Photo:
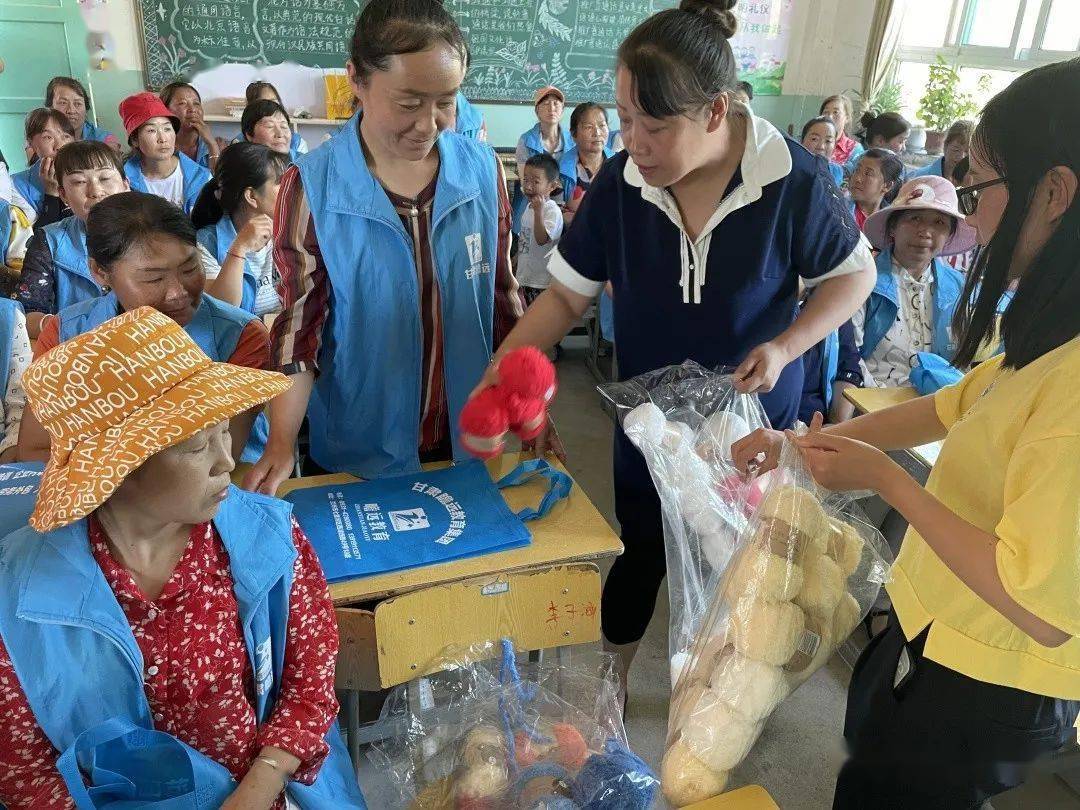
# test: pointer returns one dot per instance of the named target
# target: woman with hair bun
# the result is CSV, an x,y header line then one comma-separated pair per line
x,y
704,227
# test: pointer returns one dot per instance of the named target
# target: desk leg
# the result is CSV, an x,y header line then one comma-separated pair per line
x,y
352,725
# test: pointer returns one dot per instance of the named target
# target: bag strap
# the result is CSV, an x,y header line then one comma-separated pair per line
x,y
559,485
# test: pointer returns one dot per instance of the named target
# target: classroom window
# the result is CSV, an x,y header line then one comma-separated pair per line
x,y
991,23
1062,26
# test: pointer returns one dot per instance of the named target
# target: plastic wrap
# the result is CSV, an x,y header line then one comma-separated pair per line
x,y
757,614
496,737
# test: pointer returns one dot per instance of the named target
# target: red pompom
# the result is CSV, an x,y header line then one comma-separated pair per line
x,y
572,751
528,373
527,416
484,423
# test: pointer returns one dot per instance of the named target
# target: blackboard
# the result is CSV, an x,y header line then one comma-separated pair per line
x,y
182,37
517,45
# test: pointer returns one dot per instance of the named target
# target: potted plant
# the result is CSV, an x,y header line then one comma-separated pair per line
x,y
944,103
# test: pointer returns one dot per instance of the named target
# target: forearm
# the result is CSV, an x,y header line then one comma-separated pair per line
x,y
897,428
969,552
539,228
263,782
240,430
547,321
287,410
229,284
33,324
833,302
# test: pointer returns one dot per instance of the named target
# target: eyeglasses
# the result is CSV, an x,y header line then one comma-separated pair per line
x,y
967,198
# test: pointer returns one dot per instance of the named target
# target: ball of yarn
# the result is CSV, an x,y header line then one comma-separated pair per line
x,y
763,574
693,471
571,750
846,547
554,803
845,618
716,733
527,416
616,778
798,508
718,433
752,688
678,436
718,547
483,744
528,751
480,786
822,587
541,786
708,522
645,425
528,373
766,631
694,501
686,780
483,424
436,796
815,646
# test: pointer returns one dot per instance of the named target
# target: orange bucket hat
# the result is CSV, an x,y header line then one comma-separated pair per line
x,y
114,396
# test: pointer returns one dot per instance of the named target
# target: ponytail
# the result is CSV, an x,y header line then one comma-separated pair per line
x,y
241,166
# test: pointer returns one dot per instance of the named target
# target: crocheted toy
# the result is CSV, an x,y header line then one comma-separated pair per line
x,y
518,403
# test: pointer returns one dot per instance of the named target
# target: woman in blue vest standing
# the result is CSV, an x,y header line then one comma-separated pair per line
x,y
916,294
548,136
144,252
155,167
392,242
703,227
234,218
191,621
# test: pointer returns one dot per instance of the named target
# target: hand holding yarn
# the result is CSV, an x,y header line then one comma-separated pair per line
x,y
517,403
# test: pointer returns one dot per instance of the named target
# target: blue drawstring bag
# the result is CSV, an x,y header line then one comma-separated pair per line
x,y
19,485
933,372
406,521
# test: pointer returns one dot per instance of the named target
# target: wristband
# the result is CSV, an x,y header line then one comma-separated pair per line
x,y
276,766
236,255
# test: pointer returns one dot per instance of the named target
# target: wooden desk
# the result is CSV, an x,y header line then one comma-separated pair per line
x,y
751,797
869,400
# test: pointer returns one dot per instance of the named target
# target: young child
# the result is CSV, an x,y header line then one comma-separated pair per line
x,y
541,226
56,271
46,130
155,167
874,183
14,358
819,138
234,219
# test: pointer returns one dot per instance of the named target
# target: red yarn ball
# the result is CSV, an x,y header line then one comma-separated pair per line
x,y
483,424
528,373
572,751
527,416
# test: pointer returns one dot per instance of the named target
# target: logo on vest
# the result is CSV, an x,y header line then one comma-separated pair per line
x,y
263,668
474,246
409,520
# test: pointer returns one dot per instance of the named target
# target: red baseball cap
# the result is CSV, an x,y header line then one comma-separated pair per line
x,y
136,110
544,92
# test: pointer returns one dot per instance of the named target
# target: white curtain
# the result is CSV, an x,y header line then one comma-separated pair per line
x,y
882,45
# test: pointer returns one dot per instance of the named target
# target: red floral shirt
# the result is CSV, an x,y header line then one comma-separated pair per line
x,y
197,675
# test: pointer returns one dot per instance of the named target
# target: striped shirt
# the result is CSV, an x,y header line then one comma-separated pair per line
x,y
304,288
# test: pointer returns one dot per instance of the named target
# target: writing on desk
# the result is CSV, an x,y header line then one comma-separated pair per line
x,y
570,611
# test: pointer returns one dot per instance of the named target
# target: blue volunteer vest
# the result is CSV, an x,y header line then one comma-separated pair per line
x,y
937,168
830,363
195,177
568,170
216,327
217,239
71,267
9,315
28,184
884,303
470,121
365,408
90,132
58,615
534,145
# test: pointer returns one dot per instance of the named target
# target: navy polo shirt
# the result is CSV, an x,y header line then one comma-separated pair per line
x,y
735,287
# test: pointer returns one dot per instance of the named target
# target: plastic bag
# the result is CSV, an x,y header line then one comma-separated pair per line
x,y
684,420
496,738
766,577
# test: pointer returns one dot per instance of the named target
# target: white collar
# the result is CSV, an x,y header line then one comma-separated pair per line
x,y
907,278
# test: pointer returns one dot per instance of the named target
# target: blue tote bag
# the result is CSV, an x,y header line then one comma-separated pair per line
x,y
389,524
19,485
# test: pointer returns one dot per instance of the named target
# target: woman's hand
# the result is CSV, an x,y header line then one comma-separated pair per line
x,y
759,452
843,464
48,177
274,467
253,237
547,442
758,373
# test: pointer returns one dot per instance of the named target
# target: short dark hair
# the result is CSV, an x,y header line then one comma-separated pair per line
x,y
746,88
1045,311
545,163
256,111
70,84
241,166
253,91
579,112
960,170
122,221
170,90
892,169
79,156
960,130
821,119
886,125
39,118
680,59
388,28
